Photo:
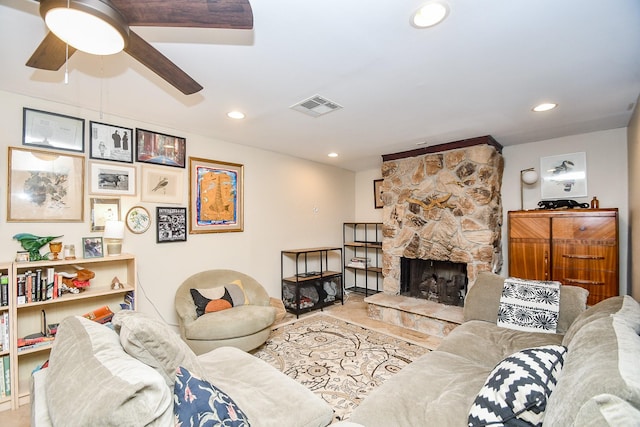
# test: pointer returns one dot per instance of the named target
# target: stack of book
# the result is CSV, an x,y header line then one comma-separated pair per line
x,y
39,285
26,343
5,376
359,262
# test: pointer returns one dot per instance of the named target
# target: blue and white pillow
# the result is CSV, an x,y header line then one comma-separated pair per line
x,y
516,391
199,403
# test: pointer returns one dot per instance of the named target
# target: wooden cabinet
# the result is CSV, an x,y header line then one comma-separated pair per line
x,y
311,278
575,247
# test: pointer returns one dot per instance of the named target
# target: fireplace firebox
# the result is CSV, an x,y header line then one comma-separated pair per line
x,y
439,281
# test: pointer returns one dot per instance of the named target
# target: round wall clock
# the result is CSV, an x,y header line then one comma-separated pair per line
x,y
138,220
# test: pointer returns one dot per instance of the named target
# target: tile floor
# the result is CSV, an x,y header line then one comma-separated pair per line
x,y
354,310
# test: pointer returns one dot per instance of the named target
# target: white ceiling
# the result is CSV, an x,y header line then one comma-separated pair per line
x,y
478,73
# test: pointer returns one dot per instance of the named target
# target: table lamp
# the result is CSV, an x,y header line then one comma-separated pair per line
x,y
113,235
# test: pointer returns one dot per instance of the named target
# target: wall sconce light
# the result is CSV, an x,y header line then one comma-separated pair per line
x,y
529,177
113,235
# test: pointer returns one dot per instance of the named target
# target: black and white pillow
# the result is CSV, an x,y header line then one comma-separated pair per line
x,y
516,391
529,305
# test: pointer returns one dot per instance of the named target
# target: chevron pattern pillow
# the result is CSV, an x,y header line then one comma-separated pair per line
x,y
517,389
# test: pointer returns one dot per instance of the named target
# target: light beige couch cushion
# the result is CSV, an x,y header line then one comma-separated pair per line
x,y
151,341
603,350
91,381
267,396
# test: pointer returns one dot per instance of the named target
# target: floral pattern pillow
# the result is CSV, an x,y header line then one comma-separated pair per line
x,y
199,403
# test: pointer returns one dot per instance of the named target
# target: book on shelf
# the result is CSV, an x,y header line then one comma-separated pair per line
x,y
359,262
100,315
4,290
4,332
39,285
5,376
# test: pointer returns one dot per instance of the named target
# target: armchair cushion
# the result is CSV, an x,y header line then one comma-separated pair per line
x,y
239,322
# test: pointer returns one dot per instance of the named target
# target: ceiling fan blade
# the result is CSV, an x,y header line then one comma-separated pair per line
x,y
51,54
160,64
235,14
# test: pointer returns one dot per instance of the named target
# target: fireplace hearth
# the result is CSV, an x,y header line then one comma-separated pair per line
x,y
438,281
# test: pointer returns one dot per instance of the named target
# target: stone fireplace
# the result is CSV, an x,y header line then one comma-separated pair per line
x,y
441,203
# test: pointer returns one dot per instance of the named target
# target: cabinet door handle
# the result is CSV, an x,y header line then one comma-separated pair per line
x,y
583,282
546,265
582,256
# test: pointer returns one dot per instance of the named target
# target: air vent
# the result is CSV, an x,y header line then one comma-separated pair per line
x,y
316,106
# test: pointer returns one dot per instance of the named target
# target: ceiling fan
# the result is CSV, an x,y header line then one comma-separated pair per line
x,y
113,18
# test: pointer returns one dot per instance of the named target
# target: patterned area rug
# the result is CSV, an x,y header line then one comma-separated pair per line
x,y
339,361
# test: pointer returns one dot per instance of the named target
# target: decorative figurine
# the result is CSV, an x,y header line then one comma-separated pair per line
x,y
115,283
32,244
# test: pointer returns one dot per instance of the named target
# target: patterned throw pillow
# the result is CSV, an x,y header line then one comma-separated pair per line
x,y
199,403
208,300
517,389
529,305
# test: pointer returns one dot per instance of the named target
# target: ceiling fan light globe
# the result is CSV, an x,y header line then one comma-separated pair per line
x,y
84,31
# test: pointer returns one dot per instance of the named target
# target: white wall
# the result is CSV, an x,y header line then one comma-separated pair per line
x,y
289,203
365,210
607,178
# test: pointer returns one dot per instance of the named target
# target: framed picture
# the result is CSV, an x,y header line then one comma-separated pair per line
x,y
377,193
138,220
103,210
563,176
108,178
45,186
171,224
51,130
110,142
92,247
160,149
215,196
162,185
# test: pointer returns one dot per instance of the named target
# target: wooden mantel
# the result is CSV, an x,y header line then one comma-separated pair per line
x,y
480,140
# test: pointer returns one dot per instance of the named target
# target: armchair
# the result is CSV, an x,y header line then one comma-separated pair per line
x,y
245,326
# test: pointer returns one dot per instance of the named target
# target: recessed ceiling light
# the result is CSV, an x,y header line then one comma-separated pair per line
x,y
546,106
430,14
332,154
235,115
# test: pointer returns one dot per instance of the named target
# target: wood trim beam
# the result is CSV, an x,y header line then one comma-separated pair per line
x,y
480,140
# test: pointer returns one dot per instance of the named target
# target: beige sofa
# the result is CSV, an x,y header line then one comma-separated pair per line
x,y
599,384
98,376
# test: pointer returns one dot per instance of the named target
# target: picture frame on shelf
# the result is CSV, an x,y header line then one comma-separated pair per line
x,y
160,149
162,185
138,219
112,179
52,130
377,193
110,142
44,186
102,210
171,224
563,176
92,247
215,180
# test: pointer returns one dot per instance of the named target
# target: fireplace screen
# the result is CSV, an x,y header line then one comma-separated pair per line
x,y
439,281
